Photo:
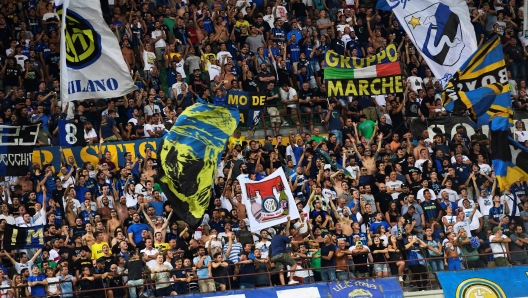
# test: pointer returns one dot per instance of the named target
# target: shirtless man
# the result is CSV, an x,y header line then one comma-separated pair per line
x,y
128,54
221,30
376,40
158,225
99,227
451,259
113,223
367,160
121,208
70,214
345,220
88,239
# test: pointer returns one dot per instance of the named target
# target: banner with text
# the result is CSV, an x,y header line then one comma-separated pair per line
x,y
334,60
375,287
51,155
16,148
447,125
23,237
91,64
269,201
250,105
364,87
499,282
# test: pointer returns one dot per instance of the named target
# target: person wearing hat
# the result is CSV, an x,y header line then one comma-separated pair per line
x,y
246,266
83,261
37,281
360,254
497,243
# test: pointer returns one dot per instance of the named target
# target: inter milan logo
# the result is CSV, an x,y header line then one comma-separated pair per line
x,y
83,43
439,34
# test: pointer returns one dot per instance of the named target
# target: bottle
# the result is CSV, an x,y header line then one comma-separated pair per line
x,y
256,208
283,199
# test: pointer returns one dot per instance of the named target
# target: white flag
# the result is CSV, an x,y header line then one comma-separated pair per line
x,y
92,65
269,201
440,30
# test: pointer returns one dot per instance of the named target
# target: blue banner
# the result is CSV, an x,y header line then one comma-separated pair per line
x,y
359,288
500,282
51,155
67,133
375,287
23,237
250,105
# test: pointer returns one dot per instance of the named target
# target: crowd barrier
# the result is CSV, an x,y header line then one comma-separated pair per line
x,y
503,282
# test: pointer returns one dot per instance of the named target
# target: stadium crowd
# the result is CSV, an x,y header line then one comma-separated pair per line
x,y
399,200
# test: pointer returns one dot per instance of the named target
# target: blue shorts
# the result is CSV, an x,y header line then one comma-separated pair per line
x,y
453,264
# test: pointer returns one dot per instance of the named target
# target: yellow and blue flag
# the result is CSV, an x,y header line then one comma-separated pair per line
x,y
189,156
478,81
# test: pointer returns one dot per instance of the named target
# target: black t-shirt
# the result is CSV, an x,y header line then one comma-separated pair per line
x,y
423,106
361,259
80,263
271,102
412,109
384,199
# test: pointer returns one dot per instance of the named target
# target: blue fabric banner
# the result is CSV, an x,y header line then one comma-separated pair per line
x,y
500,282
374,287
250,105
51,155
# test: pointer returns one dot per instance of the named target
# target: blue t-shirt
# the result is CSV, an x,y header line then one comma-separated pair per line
x,y
107,126
37,290
204,271
278,244
325,251
374,226
158,207
136,230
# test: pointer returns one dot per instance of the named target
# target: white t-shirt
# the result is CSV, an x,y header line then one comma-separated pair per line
x,y
453,195
463,225
149,58
160,43
485,168
90,134
270,19
20,60
342,27
509,200
53,284
289,96
131,200
475,223
521,136
485,204
223,55
416,82
498,248
353,170
394,185
419,163
180,68
9,219
147,128
20,266
264,248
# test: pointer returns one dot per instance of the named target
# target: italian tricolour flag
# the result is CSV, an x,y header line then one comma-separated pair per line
x,y
375,71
